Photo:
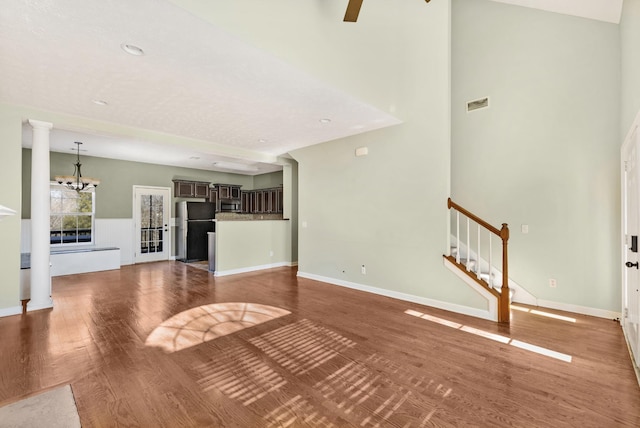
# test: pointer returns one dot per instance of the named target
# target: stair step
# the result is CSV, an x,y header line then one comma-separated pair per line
x,y
463,260
497,280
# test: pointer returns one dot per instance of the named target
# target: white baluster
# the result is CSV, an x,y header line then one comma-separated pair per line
x,y
478,254
468,244
458,236
490,262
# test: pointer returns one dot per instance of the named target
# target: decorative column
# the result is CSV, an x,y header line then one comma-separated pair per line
x,y
40,226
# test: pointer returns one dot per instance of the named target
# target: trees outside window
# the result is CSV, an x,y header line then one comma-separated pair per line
x,y
72,214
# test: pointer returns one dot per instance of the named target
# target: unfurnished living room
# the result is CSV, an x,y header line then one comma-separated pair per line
x,y
331,213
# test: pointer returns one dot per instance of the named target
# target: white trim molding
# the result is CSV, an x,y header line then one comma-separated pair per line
x,y
12,310
583,310
252,268
451,307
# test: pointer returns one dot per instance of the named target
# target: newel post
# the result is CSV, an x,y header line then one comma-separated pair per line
x,y
504,311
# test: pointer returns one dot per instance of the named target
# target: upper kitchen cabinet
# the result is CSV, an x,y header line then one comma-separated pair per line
x,y
190,189
263,201
228,191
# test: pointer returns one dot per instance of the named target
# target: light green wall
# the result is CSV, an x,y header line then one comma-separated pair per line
x,y
246,244
630,41
265,181
546,151
114,196
10,143
387,210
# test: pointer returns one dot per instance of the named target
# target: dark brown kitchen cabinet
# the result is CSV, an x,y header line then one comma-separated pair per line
x,y
228,191
246,198
263,201
258,206
213,197
190,189
202,190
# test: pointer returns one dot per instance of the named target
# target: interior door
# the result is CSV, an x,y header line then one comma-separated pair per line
x,y
152,214
631,225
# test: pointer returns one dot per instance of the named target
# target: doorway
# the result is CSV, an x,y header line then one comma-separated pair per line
x,y
151,217
631,232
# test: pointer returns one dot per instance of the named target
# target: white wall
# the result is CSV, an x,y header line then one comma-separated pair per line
x,y
117,232
545,153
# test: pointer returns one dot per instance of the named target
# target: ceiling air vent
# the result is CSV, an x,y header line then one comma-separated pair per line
x,y
478,104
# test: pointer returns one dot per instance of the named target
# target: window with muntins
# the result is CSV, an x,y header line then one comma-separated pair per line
x,y
72,215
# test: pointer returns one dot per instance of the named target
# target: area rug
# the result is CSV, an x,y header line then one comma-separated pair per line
x,y
55,408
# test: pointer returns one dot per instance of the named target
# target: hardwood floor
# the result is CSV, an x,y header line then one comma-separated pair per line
x,y
338,358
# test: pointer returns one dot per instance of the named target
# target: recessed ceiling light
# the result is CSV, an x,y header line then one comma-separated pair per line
x,y
325,120
262,140
132,49
100,102
195,157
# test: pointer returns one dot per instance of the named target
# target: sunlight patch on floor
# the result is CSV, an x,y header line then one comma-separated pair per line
x,y
303,346
239,374
495,337
208,322
543,313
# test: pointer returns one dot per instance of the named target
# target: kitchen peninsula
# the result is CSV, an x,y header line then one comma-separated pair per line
x,y
248,242
251,231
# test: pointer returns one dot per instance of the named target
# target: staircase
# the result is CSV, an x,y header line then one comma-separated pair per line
x,y
471,257
491,279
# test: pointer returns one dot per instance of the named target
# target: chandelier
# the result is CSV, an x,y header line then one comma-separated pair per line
x,y
76,181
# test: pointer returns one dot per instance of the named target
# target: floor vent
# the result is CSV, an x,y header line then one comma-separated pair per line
x,y
478,104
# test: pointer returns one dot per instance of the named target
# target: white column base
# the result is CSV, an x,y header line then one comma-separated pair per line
x,y
36,306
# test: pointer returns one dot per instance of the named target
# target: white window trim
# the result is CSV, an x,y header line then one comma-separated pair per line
x,y
72,245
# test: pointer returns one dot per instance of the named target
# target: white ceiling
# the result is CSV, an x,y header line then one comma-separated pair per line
x,y
225,105
194,81
601,10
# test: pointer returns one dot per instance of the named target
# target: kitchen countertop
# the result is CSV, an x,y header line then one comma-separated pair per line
x,y
246,217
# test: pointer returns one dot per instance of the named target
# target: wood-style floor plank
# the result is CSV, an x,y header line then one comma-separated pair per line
x,y
339,358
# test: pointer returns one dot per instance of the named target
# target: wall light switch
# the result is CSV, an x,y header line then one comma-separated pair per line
x,y
362,151
525,228
304,224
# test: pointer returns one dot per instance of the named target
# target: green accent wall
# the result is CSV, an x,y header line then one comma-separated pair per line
x,y
265,181
546,151
114,196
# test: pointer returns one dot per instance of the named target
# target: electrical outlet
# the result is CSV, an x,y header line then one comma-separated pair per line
x,y
363,270
553,283
271,253
524,228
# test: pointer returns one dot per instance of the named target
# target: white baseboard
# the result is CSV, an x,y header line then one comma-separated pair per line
x,y
584,310
251,269
451,307
33,306
12,310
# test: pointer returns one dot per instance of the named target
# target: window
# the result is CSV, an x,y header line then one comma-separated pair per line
x,y
71,218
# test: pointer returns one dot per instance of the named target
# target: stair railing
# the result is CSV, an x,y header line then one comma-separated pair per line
x,y
503,297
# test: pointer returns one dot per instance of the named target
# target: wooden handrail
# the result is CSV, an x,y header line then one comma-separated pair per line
x,y
493,229
504,311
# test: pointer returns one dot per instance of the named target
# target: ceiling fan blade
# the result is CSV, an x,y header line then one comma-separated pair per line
x,y
353,9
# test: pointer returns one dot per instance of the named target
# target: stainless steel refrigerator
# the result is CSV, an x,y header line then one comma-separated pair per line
x,y
194,221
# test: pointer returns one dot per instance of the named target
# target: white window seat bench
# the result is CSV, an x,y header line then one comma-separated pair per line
x,y
67,261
